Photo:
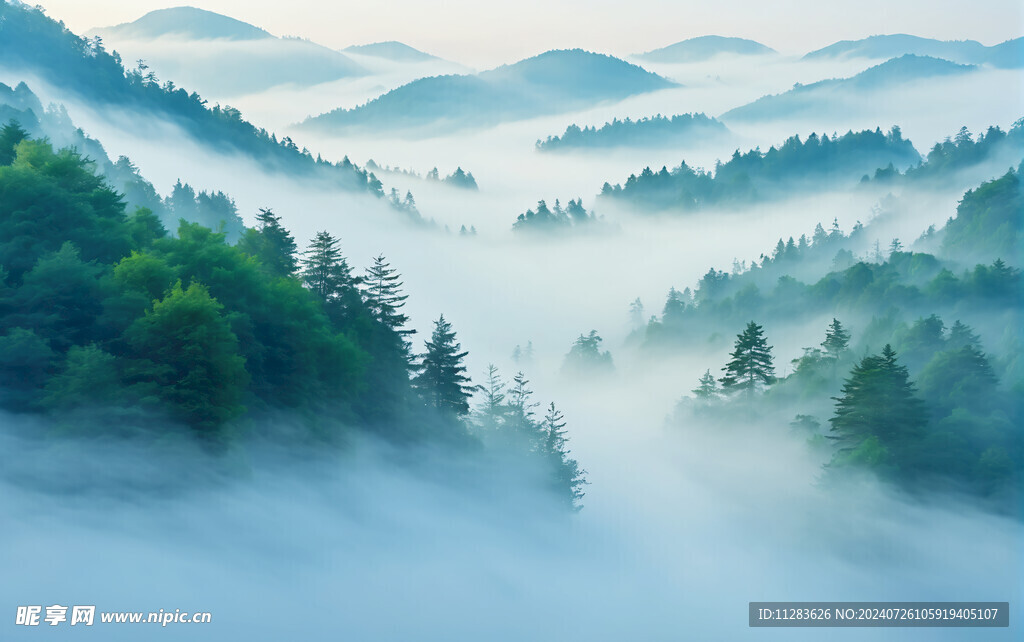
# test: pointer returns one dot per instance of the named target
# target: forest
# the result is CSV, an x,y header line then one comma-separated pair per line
x,y
106,314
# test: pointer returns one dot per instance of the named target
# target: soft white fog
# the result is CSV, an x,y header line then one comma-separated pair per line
x,y
682,525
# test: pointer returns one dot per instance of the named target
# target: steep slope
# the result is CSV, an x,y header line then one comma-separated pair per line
x,y
553,82
844,92
32,43
705,47
895,45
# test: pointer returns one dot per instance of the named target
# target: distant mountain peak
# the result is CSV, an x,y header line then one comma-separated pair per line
x,y
391,50
705,47
186,22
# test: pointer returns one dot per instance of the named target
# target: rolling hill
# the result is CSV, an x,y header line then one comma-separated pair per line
x,y
705,47
391,50
1007,54
552,82
221,57
184,22
843,93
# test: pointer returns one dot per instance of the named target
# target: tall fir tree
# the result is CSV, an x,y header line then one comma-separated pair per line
x,y
837,340
442,381
490,412
382,289
271,244
750,364
707,387
324,269
567,478
878,416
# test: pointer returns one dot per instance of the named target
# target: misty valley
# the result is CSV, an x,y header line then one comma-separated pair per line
x,y
362,342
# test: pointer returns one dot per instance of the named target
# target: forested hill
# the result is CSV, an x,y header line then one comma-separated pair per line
x,y
33,42
113,328
215,210
658,131
835,95
1006,54
961,154
917,377
776,172
552,82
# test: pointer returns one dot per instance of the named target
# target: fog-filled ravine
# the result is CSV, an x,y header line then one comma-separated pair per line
x,y
355,340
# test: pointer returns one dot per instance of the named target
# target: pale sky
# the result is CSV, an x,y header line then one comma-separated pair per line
x,y
484,34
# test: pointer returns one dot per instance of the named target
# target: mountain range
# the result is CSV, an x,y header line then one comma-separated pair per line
x,y
552,82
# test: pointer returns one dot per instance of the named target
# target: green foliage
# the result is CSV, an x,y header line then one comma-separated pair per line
x,y
271,245
654,131
755,174
187,352
586,358
442,382
48,199
750,363
988,221
549,220
505,418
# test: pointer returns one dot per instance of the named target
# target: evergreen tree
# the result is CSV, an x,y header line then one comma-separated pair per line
x,y
324,270
837,340
878,416
675,308
491,410
568,479
442,381
636,313
585,356
10,135
520,408
271,244
383,292
751,362
707,387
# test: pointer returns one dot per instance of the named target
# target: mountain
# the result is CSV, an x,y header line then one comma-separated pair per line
x,y
844,93
705,47
657,131
83,70
221,57
552,82
391,50
184,22
1007,54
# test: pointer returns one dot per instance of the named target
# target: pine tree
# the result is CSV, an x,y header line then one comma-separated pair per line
x,y
271,244
10,135
878,415
382,289
675,308
491,410
751,362
442,381
324,270
636,313
568,478
837,340
520,408
707,387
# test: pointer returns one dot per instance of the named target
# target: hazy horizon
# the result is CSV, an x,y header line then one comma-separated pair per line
x,y
487,35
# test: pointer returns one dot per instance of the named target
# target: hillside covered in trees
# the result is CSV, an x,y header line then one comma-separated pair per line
x,y
918,376
32,42
113,326
794,165
682,129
